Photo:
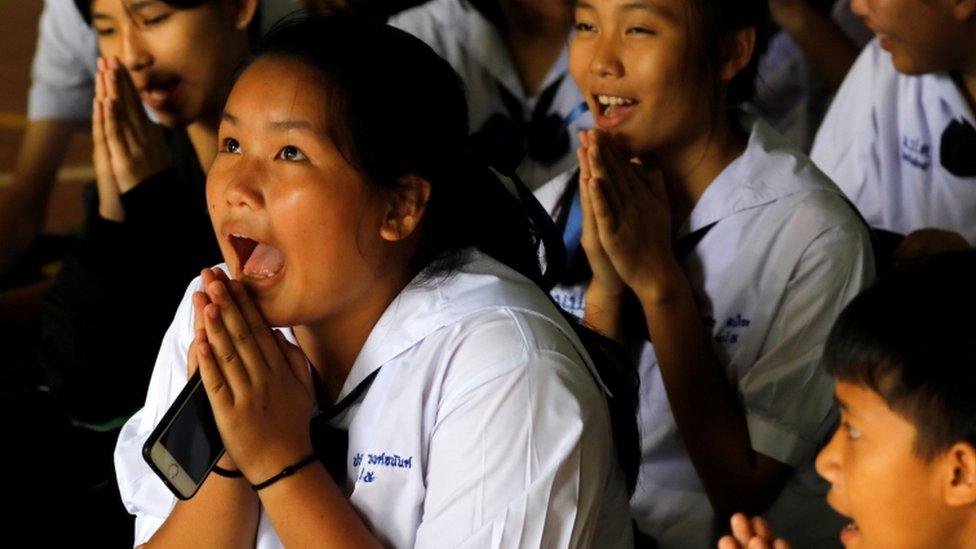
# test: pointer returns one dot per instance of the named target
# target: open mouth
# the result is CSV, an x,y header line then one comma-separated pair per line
x,y
256,260
613,110
158,92
611,105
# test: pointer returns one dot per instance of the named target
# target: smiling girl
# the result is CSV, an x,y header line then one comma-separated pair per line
x,y
473,410
705,230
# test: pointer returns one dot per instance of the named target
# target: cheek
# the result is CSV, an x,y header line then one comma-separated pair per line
x,y
579,62
316,223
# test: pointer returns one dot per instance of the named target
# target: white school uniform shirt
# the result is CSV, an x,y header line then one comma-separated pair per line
x,y
486,425
880,142
65,61
474,47
787,253
790,95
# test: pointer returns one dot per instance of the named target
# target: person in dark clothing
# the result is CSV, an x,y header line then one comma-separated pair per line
x,y
97,351
147,234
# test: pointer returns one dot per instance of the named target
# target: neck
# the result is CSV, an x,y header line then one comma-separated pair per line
x,y
332,344
203,136
535,40
690,166
527,21
967,81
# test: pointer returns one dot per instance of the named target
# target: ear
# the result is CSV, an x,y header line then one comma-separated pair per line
x,y
405,208
242,12
737,49
960,488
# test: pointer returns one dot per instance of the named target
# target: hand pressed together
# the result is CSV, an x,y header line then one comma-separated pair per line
x,y
128,147
627,217
258,383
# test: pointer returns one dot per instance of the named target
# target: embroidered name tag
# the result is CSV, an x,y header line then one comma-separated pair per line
x,y
915,152
370,463
731,330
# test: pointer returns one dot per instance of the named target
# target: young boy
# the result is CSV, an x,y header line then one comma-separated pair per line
x,y
899,138
902,464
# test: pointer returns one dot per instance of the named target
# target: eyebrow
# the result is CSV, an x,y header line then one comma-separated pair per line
x,y
277,125
135,6
843,406
283,125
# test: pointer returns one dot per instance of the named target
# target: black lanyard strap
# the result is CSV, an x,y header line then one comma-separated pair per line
x,y
331,444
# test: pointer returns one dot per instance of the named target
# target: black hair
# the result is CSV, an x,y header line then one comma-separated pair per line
x,y
401,110
718,19
911,338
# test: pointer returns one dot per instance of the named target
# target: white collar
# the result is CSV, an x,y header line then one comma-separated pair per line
x,y
770,168
422,308
482,41
944,89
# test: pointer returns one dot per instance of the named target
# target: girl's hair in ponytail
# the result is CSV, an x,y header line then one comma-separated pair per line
x,y
395,109
712,21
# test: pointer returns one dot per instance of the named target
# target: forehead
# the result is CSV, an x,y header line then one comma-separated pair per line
x,y
276,88
669,9
122,6
869,406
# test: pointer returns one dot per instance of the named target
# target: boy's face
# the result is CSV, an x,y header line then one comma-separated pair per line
x,y
922,36
894,498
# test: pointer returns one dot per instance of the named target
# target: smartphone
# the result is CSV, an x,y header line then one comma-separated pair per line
x,y
185,445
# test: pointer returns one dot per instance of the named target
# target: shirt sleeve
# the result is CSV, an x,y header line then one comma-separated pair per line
x,y
62,85
843,148
788,397
143,493
520,457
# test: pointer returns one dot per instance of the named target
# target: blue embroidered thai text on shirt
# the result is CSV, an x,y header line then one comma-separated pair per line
x,y
915,152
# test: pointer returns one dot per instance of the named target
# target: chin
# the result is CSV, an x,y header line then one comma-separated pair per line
x,y
909,65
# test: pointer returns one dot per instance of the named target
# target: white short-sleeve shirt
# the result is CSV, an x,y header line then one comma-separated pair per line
x,y
880,142
787,253
790,95
62,84
486,425
474,47
64,62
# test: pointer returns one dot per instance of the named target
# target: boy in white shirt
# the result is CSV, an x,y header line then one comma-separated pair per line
x,y
899,138
902,465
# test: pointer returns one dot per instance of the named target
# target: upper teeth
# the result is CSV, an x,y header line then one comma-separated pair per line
x,y
612,100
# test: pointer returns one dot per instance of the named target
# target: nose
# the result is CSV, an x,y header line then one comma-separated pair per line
x,y
828,461
135,53
605,63
241,190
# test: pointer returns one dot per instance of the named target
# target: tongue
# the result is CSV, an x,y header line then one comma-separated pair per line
x,y
265,261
